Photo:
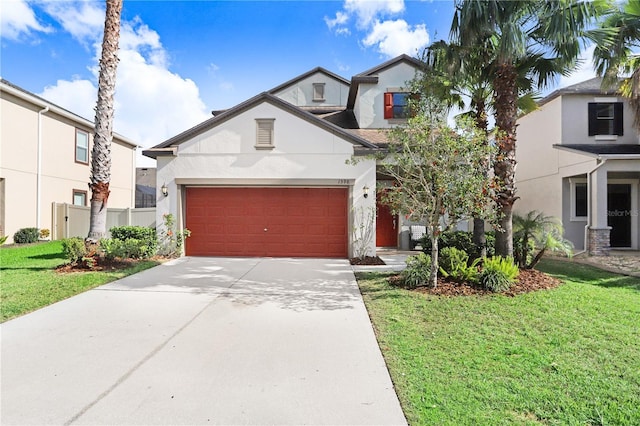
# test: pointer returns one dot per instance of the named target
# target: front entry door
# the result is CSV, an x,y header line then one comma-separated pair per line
x,y
619,214
386,227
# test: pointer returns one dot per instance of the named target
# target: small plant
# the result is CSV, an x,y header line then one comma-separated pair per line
x,y
26,236
498,273
364,231
44,234
3,239
170,239
535,231
74,250
417,271
454,264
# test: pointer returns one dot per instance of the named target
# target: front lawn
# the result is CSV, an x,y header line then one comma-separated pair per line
x,y
570,355
29,280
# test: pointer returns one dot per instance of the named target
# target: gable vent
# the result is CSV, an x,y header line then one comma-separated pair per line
x,y
264,133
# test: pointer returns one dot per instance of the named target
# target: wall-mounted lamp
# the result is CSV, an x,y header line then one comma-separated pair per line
x,y
365,190
164,189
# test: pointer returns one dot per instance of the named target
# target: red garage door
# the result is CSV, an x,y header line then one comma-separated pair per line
x,y
275,222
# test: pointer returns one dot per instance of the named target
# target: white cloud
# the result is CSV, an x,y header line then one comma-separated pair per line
x,y
394,38
340,19
18,19
367,11
82,19
152,103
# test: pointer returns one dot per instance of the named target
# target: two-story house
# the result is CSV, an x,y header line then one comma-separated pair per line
x,y
273,176
44,158
579,160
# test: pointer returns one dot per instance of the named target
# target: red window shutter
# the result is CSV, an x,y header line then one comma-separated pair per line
x,y
388,105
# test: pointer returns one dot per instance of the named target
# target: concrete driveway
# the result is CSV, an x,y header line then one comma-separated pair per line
x,y
202,341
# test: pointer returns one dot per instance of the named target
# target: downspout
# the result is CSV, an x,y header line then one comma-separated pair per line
x,y
586,227
39,166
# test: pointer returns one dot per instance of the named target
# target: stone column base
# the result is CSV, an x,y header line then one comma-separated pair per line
x,y
599,241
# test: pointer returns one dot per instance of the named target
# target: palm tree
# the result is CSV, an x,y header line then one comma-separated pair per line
x,y
103,133
545,37
614,57
535,231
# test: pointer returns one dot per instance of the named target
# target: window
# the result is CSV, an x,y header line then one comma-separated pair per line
x,y
79,198
605,118
264,133
579,199
318,92
395,105
82,147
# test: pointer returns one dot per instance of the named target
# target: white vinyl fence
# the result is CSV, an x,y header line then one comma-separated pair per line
x,y
73,221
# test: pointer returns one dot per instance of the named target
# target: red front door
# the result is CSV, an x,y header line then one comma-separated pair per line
x,y
386,227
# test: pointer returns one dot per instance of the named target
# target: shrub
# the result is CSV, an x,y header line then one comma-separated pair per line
x,y
417,271
462,240
44,233
170,238
454,264
134,242
498,273
74,249
3,239
26,236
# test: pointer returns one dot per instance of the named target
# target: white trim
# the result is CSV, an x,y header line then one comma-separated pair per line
x,y
605,99
572,196
606,137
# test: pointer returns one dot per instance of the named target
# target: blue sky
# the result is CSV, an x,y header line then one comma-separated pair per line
x,y
181,59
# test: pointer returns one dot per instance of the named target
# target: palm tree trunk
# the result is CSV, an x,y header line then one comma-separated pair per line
x,y
101,152
506,94
479,235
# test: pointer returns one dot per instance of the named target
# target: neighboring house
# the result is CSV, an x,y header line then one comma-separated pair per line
x,y
273,176
44,158
145,187
579,160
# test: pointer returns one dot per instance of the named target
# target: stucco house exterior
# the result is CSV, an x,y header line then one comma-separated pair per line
x,y
274,175
44,158
579,160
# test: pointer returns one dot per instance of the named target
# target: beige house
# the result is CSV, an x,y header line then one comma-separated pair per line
x,y
44,158
272,176
579,160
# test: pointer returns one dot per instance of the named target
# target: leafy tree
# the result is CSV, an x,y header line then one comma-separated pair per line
x,y
614,55
542,38
535,231
438,170
103,133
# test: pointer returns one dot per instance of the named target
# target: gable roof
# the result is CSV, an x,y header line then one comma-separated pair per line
x,y
168,147
588,87
36,100
309,73
370,76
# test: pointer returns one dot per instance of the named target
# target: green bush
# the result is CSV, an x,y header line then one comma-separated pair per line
x,y
498,273
462,240
417,271
454,264
134,242
26,236
74,249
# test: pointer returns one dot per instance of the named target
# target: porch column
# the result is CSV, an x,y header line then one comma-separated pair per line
x,y
599,230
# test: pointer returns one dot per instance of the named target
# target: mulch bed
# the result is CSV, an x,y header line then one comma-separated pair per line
x,y
528,280
367,260
100,264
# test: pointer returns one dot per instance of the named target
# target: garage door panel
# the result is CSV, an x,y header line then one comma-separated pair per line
x,y
299,221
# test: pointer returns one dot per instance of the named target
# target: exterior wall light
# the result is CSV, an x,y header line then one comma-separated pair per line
x,y
365,191
164,189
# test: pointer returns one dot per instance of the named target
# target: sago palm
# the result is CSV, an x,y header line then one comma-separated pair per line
x,y
537,232
103,132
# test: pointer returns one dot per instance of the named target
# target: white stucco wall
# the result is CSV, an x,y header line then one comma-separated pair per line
x,y
305,155
301,94
369,106
60,174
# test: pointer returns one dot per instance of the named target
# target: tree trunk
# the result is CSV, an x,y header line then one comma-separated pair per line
x,y
506,94
433,274
479,236
103,132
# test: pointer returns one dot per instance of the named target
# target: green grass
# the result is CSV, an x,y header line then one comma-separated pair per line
x,y
29,281
567,356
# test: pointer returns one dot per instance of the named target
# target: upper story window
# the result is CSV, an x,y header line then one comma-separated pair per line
x,y
318,92
396,105
605,118
82,147
264,133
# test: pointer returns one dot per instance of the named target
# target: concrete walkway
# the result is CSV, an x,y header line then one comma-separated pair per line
x,y
202,341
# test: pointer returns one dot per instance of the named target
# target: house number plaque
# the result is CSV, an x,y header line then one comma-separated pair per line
x,y
343,181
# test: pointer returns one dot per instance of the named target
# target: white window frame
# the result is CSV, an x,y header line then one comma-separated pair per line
x,y
318,92
264,125
573,183
84,194
75,147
